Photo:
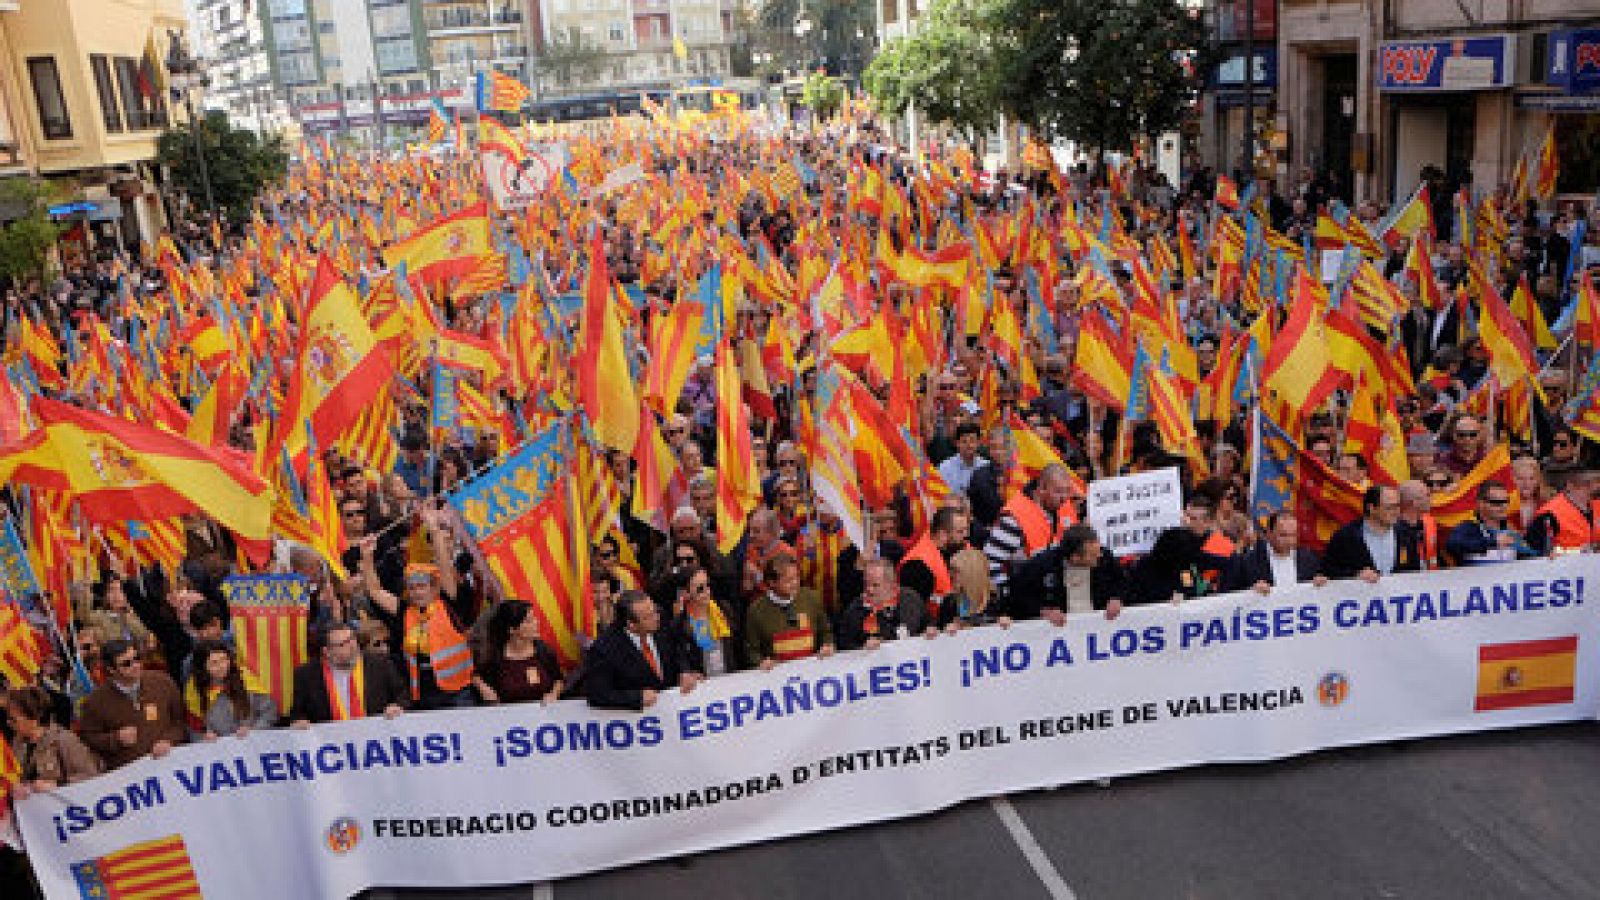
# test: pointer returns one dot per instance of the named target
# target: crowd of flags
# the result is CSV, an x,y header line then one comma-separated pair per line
x,y
219,393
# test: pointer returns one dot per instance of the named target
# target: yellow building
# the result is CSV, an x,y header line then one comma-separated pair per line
x,y
86,99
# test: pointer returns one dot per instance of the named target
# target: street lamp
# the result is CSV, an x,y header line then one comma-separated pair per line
x,y
187,76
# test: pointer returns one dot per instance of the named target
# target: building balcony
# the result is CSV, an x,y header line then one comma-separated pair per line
x,y
468,21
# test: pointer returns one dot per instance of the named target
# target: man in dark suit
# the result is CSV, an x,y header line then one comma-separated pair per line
x,y
1376,544
627,667
1277,561
326,687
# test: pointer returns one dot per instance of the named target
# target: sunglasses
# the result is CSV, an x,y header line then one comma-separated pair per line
x,y
1433,483
127,663
788,493
1561,442
687,560
354,514
1469,435
1497,501
380,642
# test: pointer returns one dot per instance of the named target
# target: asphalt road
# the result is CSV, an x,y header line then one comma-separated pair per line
x,y
1503,815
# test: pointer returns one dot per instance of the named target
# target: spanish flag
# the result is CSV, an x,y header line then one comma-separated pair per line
x,y
1460,503
118,470
605,383
1415,216
1526,673
1299,369
448,248
339,369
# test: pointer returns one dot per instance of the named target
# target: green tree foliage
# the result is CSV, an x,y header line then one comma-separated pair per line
x,y
26,241
240,162
822,94
946,69
1099,72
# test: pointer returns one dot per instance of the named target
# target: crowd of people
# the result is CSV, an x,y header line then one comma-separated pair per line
x,y
984,530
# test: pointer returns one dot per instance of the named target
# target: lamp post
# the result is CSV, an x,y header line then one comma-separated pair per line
x,y
188,75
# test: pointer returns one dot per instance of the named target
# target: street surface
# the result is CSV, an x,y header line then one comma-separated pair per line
x,y
1501,815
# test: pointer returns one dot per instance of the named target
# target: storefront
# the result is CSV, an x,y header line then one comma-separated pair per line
x,y
1227,87
1572,69
1446,105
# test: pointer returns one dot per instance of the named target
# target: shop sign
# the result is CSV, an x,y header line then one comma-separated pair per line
x,y
1456,64
1230,72
1574,61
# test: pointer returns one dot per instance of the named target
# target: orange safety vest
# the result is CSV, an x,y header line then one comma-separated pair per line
x,y
447,652
1035,523
1430,541
925,552
1573,530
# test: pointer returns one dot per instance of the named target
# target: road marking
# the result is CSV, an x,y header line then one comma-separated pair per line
x,y
544,890
1054,884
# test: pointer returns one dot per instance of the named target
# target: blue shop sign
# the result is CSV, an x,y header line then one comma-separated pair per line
x,y
1458,64
1230,71
1574,61
68,209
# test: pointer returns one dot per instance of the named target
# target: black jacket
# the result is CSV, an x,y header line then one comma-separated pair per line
x,y
911,611
1253,565
384,685
985,490
681,632
1346,554
1037,584
616,674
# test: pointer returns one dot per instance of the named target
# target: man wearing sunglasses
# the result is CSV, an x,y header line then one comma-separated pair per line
x,y
134,713
1487,537
1469,443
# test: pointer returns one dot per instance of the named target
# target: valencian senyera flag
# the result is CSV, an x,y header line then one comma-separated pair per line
x,y
152,870
269,614
522,513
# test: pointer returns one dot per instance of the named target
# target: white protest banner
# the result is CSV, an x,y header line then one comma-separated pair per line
x,y
1129,511
619,178
514,183
523,793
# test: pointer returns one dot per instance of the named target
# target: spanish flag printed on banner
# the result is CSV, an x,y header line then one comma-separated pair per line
x,y
1526,673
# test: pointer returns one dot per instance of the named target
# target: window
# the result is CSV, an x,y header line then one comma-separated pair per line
x,y
393,21
104,86
47,95
396,56
616,33
298,68
141,103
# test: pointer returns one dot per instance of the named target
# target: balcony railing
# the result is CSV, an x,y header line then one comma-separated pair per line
x,y
470,18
